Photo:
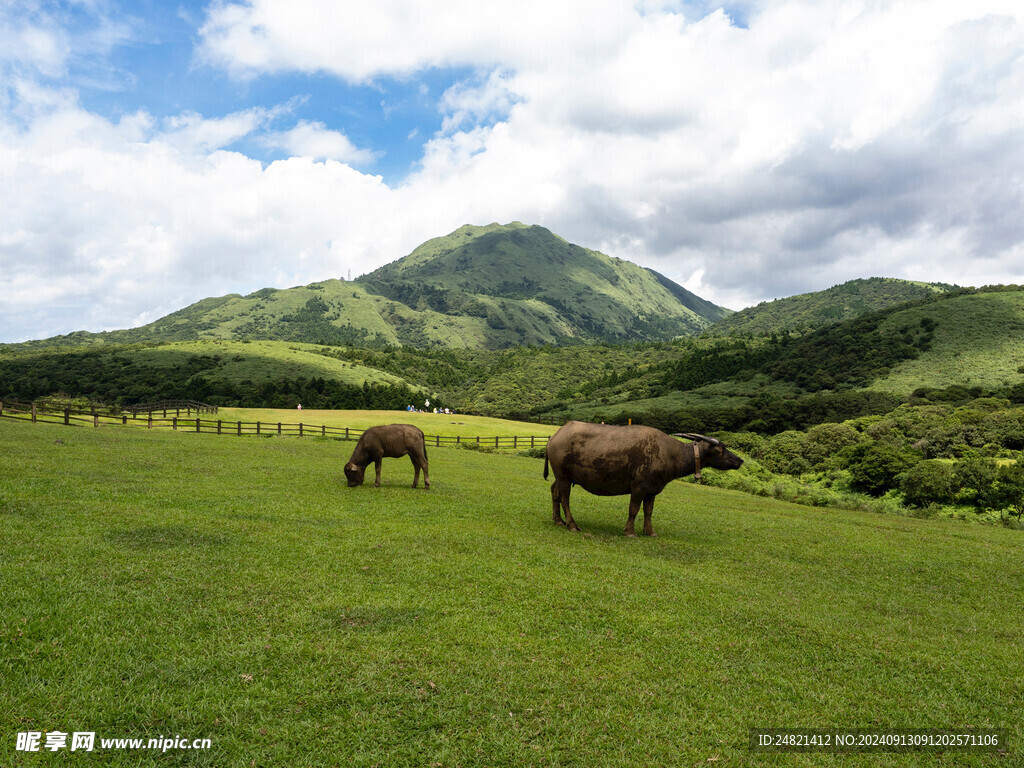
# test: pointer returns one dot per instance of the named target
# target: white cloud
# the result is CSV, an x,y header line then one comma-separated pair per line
x,y
359,41
30,46
761,150
315,140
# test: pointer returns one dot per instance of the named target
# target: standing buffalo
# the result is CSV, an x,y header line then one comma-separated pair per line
x,y
390,441
612,461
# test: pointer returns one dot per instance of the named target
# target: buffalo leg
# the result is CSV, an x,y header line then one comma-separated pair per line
x,y
648,511
556,513
566,489
419,461
634,507
377,464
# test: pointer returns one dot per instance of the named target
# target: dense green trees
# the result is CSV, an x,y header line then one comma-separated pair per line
x,y
931,481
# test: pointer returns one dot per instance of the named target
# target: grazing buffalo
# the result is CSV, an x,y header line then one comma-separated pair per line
x,y
390,441
611,461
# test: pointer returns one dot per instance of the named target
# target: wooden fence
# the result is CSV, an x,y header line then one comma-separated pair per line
x,y
177,406
95,418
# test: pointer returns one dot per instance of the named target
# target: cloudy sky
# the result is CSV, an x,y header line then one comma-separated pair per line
x,y
154,153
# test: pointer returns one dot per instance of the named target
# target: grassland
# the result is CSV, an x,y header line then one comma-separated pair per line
x,y
162,583
262,361
977,342
430,423
832,305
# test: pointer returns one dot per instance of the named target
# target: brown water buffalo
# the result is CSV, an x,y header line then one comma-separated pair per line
x,y
390,441
611,461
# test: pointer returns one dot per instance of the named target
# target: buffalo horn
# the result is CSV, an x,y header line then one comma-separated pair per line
x,y
689,436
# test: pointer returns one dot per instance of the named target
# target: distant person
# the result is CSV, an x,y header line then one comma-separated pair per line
x,y
299,406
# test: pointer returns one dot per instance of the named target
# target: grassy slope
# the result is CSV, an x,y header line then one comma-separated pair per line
x,y
833,305
237,591
977,342
261,361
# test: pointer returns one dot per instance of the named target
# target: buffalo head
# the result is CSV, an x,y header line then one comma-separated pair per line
x,y
354,473
713,454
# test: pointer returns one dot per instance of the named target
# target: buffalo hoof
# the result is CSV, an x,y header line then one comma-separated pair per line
x,y
376,485
573,527
630,535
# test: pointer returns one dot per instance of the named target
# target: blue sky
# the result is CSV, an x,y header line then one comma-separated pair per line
x,y
153,67
750,150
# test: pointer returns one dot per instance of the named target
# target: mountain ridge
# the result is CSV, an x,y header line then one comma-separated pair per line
x,y
484,287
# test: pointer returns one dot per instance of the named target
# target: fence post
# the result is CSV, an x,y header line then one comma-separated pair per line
x,y
95,419
1,407
478,439
458,439
257,429
218,426
346,433
67,416
124,418
279,429
515,441
437,440
33,413
149,421
239,428
174,424
495,441
197,423
300,429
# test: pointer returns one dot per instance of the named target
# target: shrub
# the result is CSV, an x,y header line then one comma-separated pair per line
x,y
1008,492
975,480
826,440
927,483
877,468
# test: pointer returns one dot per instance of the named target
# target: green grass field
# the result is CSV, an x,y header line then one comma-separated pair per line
x,y
430,423
162,584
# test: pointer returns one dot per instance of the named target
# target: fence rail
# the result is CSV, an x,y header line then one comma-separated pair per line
x,y
76,417
166,406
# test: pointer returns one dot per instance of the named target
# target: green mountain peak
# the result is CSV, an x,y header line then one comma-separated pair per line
x,y
479,287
